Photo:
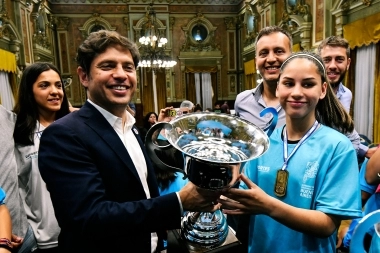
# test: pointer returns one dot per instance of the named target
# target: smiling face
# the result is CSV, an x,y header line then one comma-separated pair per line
x,y
48,92
336,62
300,88
271,52
111,81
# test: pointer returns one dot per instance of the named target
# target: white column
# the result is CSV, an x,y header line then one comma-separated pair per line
x,y
154,92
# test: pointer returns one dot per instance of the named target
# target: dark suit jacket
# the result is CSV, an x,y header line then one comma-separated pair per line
x,y
97,195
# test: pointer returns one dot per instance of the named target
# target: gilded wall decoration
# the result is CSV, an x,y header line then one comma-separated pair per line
x,y
207,43
94,23
232,84
251,23
319,18
25,35
64,53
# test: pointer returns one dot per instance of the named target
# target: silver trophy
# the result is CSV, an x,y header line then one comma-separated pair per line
x,y
210,142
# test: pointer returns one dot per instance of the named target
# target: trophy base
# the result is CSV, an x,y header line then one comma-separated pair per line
x,y
176,244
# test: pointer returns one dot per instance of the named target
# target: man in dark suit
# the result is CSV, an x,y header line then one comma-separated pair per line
x,y
96,169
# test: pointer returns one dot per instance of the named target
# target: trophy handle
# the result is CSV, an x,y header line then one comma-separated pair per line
x,y
153,149
272,124
368,221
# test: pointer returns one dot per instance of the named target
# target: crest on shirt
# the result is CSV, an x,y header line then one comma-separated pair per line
x,y
311,171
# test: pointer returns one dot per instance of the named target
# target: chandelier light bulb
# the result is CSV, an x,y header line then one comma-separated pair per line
x,y
153,54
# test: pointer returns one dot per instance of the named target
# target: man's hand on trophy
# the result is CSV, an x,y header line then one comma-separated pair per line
x,y
245,201
194,198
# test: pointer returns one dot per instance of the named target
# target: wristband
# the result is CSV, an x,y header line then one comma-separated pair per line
x,y
6,247
6,243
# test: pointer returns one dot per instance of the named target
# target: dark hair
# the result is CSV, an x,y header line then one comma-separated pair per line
x,y
198,107
147,125
26,106
329,110
335,41
164,177
172,157
274,29
98,42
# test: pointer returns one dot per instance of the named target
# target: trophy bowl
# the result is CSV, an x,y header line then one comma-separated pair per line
x,y
210,144
216,138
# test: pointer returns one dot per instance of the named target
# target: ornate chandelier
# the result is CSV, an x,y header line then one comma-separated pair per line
x,y
153,44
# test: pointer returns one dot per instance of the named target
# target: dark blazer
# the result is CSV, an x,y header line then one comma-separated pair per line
x,y
98,198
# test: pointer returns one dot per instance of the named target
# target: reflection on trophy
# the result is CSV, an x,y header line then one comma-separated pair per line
x,y
211,143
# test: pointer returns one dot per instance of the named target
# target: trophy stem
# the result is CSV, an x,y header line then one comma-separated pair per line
x,y
204,229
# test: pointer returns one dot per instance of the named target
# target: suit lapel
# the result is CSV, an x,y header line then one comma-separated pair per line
x,y
96,121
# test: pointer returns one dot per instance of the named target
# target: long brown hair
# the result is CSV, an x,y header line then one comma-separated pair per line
x,y
26,105
329,110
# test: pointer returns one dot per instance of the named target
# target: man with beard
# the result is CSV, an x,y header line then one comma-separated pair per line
x,y
335,52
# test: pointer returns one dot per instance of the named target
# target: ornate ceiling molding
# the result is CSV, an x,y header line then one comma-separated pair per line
x,y
61,23
187,2
345,5
264,3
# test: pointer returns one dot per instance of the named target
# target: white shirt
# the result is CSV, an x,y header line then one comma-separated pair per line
x,y
345,96
130,142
